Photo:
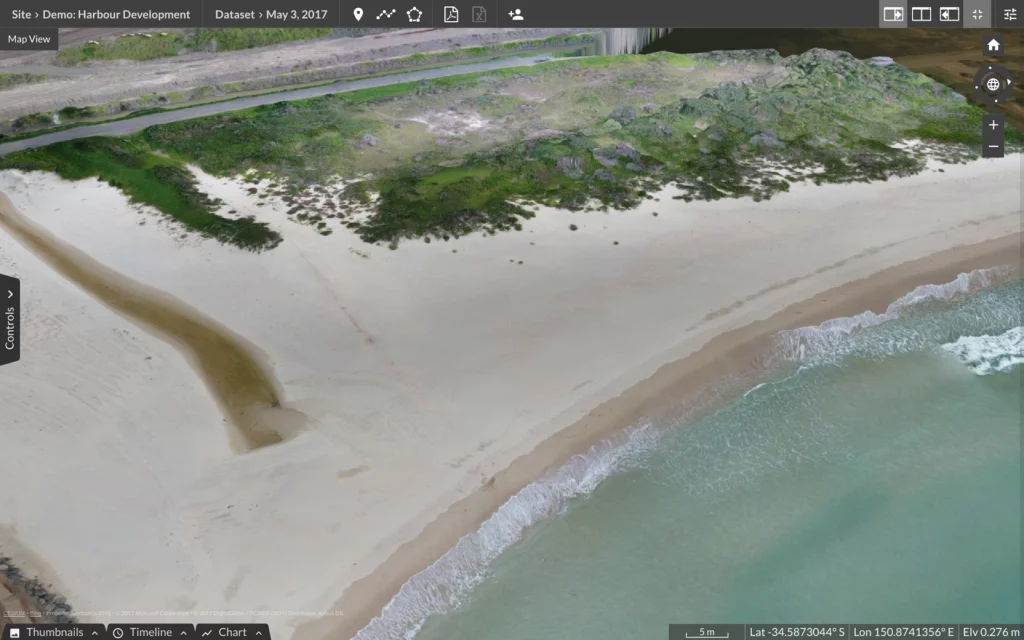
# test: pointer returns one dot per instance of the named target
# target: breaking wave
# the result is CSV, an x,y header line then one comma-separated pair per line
x,y
833,339
986,355
442,587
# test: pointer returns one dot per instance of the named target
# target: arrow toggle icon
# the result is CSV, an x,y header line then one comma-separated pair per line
x,y
10,320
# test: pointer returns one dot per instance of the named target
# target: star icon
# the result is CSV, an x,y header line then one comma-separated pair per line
x,y
414,14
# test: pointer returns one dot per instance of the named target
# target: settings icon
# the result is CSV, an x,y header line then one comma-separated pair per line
x,y
414,14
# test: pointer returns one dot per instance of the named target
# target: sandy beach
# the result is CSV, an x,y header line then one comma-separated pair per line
x,y
434,381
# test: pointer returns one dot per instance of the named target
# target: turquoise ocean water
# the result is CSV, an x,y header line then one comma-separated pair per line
x,y
875,476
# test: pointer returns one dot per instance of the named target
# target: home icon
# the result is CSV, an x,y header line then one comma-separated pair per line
x,y
994,47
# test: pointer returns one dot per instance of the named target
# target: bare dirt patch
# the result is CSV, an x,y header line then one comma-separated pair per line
x,y
101,83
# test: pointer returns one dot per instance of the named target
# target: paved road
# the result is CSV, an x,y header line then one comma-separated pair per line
x,y
127,127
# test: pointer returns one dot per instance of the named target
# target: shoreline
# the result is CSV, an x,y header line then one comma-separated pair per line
x,y
425,373
687,381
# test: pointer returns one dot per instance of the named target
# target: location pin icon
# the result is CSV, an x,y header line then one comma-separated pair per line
x,y
358,13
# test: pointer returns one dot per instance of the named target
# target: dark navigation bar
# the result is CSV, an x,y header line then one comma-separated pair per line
x,y
844,631
136,631
512,13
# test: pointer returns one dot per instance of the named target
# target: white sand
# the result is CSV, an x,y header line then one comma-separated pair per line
x,y
425,371
103,430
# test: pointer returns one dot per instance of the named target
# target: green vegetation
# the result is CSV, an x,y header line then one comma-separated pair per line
x,y
150,46
40,122
9,80
579,134
821,116
146,178
238,39
950,57
78,113
313,142
138,47
32,121
965,130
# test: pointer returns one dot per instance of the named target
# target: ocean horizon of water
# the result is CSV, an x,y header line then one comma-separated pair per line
x,y
874,475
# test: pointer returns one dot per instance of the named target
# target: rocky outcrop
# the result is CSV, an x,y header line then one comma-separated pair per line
x,y
624,150
19,592
766,139
571,166
623,115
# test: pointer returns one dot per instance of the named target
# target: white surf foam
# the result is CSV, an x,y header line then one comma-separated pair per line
x,y
986,355
443,586
829,338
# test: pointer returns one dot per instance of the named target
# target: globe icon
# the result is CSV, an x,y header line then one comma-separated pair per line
x,y
993,85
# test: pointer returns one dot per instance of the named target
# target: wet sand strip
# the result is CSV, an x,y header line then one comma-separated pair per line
x,y
679,393
235,371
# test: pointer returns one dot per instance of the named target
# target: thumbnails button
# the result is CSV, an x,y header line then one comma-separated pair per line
x,y
36,631
10,319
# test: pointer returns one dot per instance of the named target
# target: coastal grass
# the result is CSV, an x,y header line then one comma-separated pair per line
x,y
821,116
309,138
311,142
87,116
950,57
42,123
11,80
33,120
146,178
824,117
137,47
239,39
140,46
964,130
